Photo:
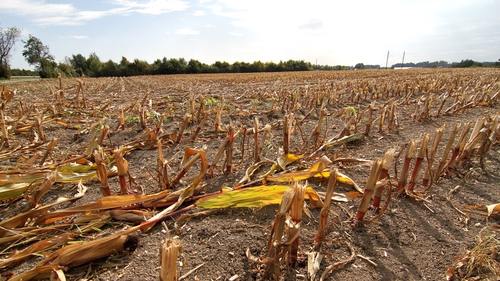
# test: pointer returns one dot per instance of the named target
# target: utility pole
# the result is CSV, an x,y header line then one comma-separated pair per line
x,y
387,60
403,62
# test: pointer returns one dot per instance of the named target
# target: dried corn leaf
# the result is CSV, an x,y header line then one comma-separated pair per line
x,y
103,203
315,169
251,197
493,207
85,252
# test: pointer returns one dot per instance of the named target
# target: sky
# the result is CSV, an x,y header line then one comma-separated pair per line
x,y
324,32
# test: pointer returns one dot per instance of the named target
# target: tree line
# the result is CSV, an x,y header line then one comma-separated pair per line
x,y
38,55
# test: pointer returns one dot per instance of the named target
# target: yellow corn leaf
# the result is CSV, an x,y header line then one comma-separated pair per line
x,y
315,169
12,190
69,172
287,159
341,178
282,161
493,207
251,197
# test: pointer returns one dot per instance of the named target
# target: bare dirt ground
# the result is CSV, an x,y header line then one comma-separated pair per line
x,y
414,239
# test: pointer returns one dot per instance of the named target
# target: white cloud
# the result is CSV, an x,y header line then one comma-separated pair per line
x,y
81,37
46,14
199,13
154,7
211,25
35,8
235,34
187,31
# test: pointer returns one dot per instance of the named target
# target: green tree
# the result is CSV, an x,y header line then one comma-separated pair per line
x,y
94,66
194,66
66,70
39,55
110,68
8,38
359,66
79,63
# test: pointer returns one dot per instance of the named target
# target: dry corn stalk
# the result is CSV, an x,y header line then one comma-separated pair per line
x,y
217,121
38,122
442,163
287,128
50,148
459,146
369,120
368,192
162,168
44,187
296,218
430,161
402,181
384,174
420,157
169,253
256,151
325,210
121,120
202,122
275,243
229,149
122,167
185,121
101,171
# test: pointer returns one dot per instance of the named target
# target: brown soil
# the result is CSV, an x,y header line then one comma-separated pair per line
x,y
412,240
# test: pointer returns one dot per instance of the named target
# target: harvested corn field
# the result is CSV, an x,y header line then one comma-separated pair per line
x,y
347,175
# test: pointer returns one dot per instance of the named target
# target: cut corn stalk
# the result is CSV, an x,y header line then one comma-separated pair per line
x,y
229,149
325,210
368,192
296,219
102,173
384,174
169,253
442,163
256,151
202,122
162,168
185,121
50,148
430,161
287,128
369,120
121,120
402,181
44,187
186,192
420,157
217,121
122,166
459,146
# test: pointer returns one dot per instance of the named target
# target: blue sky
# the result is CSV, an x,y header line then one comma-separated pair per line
x,y
329,32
